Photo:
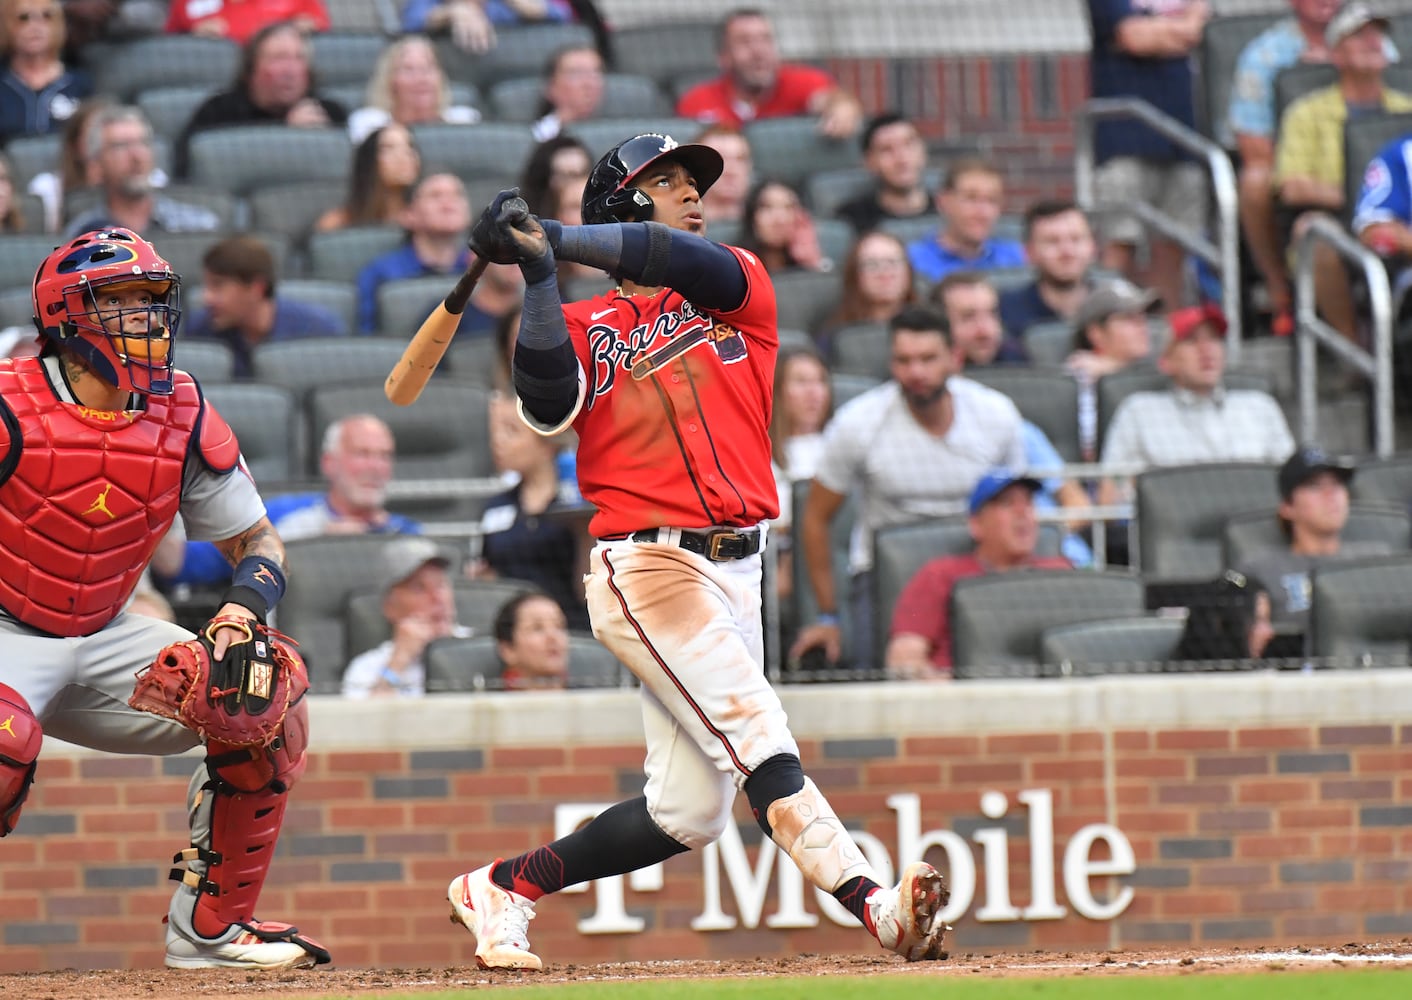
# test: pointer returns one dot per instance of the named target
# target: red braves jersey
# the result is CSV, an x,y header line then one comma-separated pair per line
x,y
87,494
243,18
674,428
717,101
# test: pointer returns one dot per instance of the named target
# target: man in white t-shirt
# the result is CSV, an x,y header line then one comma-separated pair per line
x,y
913,448
420,605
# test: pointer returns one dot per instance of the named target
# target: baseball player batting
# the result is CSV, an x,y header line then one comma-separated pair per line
x,y
668,382
103,444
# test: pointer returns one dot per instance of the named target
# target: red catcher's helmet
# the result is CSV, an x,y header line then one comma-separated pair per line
x,y
69,309
609,195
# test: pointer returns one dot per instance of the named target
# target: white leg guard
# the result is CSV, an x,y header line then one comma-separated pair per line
x,y
808,829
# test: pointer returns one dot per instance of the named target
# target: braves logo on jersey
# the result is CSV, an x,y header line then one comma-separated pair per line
x,y
649,347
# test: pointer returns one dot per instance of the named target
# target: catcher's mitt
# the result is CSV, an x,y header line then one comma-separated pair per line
x,y
241,700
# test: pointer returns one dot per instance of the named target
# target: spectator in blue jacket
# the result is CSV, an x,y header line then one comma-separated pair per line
x,y
969,201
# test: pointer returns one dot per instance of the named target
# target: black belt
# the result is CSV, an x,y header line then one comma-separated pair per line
x,y
716,544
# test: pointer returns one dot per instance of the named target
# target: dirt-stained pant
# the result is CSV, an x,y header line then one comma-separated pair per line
x,y
690,630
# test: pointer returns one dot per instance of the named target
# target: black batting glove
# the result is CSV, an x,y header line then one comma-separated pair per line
x,y
491,237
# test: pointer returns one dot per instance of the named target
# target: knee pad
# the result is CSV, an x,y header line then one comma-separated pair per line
x,y
779,777
20,740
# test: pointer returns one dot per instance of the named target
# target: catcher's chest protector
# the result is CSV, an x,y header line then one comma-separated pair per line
x,y
88,496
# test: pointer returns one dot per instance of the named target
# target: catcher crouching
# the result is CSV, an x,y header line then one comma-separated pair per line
x,y
103,442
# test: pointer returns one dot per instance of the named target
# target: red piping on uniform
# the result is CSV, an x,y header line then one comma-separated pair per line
x,y
622,603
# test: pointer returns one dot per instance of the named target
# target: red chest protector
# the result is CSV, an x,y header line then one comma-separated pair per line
x,y
87,495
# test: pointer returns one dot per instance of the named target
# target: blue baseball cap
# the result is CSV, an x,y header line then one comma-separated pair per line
x,y
995,482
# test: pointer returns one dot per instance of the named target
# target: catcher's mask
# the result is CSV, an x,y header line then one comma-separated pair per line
x,y
609,195
75,292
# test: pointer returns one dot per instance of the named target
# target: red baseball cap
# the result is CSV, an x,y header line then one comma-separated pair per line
x,y
1184,322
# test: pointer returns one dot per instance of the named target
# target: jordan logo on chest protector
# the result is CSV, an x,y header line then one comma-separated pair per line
x,y
100,504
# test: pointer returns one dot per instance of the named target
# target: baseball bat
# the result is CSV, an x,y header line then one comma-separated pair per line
x,y
428,346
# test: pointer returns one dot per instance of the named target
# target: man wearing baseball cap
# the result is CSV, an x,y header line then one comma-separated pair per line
x,y
1110,333
420,605
1196,419
1309,163
1006,532
1313,511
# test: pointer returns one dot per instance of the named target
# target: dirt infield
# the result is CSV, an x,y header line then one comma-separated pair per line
x,y
371,983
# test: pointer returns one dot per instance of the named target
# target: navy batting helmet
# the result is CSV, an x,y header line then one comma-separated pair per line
x,y
609,195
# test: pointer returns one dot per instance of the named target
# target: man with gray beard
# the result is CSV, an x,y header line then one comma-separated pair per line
x,y
118,148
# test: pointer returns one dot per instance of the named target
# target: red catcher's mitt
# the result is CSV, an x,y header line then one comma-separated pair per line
x,y
241,700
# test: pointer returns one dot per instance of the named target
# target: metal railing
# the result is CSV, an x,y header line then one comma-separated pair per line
x,y
1224,254
1311,332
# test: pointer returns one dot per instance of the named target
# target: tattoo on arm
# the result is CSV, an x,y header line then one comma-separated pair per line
x,y
260,539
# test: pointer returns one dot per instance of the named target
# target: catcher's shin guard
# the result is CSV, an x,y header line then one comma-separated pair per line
x,y
236,804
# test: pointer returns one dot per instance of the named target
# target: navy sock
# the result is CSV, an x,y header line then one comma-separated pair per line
x,y
854,894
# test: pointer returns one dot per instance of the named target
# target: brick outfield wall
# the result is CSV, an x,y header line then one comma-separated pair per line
x,y
1261,834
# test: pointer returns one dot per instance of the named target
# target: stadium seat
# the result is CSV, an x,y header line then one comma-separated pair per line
x,y
1296,81
484,148
518,51
242,158
20,254
268,423
364,15
143,64
846,387
168,109
473,360
1362,138
302,364
292,209
998,620
667,50
1111,390
806,299
17,307
1359,611
481,189
792,148
477,603
473,664
624,94
1384,480
345,57
1220,48
1047,397
1140,645
446,434
338,297
209,360
1246,535
185,251
1004,279
31,155
403,304
835,240
861,349
805,606
1182,511
323,572
1050,342
602,134
725,231
340,254
826,191
911,230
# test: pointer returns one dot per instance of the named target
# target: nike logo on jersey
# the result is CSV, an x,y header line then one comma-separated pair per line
x,y
601,313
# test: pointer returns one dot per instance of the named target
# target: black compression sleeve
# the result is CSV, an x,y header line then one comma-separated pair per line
x,y
545,368
705,273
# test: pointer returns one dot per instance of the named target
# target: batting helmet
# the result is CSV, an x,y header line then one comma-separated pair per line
x,y
609,195
70,308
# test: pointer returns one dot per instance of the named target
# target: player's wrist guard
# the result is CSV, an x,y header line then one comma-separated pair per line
x,y
258,584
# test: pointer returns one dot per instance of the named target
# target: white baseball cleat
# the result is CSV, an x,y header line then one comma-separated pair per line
x,y
499,919
237,948
907,918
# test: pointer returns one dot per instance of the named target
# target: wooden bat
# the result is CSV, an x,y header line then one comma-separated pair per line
x,y
428,346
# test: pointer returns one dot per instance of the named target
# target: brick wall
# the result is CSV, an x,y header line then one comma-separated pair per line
x,y
1016,110
1291,830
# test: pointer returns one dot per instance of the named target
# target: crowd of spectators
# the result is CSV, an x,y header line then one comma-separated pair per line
x,y
935,275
